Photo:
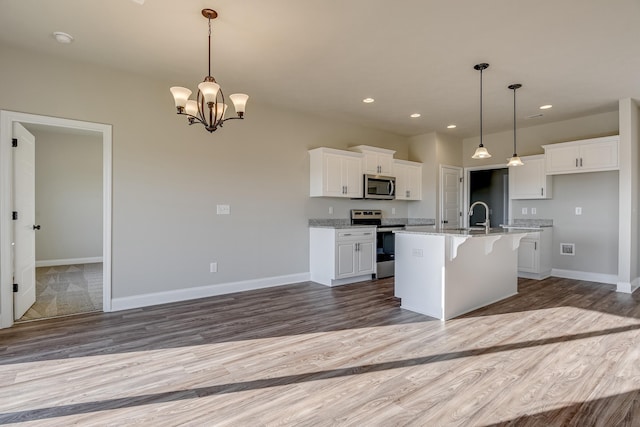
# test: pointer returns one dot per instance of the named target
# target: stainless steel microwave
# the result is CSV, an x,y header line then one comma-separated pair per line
x,y
379,187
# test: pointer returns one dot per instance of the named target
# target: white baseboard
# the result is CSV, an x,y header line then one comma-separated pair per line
x,y
177,295
611,279
628,288
68,261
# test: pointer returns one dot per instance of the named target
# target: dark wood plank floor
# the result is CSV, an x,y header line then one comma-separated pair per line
x,y
560,353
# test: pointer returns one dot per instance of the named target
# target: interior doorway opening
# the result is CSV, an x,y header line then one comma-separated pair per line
x,y
7,241
489,185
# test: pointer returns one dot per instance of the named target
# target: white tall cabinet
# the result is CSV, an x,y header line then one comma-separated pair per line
x,y
335,173
343,255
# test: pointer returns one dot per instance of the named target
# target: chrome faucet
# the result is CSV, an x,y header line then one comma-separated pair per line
x,y
486,217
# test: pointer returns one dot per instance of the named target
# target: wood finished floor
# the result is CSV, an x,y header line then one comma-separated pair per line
x,y
561,353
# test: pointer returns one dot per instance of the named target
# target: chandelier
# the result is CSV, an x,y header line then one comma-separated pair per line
x,y
481,151
209,107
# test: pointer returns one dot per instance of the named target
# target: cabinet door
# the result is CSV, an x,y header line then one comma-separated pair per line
x,y
599,155
414,183
528,256
385,162
529,181
365,255
562,159
352,176
346,260
332,179
402,188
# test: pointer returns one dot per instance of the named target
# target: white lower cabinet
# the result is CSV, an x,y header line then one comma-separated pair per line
x,y
341,256
534,255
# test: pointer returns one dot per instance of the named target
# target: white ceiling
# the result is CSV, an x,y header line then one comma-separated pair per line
x,y
325,56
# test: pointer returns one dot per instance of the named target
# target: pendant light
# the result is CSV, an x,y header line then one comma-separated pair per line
x,y
209,107
481,152
515,159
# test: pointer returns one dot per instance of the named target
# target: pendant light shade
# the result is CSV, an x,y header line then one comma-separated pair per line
x,y
515,159
481,151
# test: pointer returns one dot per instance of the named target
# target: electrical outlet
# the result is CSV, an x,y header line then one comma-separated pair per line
x,y
417,252
223,209
525,211
393,211
213,267
533,211
578,211
330,210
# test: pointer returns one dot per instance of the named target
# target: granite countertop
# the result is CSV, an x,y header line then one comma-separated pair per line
x,y
467,232
346,223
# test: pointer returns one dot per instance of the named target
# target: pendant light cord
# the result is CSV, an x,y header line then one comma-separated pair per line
x,y
209,47
481,108
514,122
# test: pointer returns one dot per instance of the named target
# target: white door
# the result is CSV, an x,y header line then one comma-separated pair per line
x,y
450,196
24,238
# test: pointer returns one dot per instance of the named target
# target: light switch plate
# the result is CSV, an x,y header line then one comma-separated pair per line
x,y
578,211
223,209
533,211
525,211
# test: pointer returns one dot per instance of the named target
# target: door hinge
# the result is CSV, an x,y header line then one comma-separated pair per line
x,y
14,142
14,215
15,287
460,179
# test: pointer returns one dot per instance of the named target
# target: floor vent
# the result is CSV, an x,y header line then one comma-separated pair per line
x,y
567,249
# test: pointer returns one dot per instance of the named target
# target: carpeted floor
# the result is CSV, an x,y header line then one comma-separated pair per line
x,y
65,290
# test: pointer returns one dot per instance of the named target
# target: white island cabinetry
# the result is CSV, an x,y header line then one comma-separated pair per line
x,y
446,274
343,255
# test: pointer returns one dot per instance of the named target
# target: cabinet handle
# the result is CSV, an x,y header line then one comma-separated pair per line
x,y
535,246
542,191
347,234
357,247
576,162
408,193
367,234
580,161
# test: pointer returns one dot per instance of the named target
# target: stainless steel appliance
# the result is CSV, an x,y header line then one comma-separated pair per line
x,y
379,187
385,239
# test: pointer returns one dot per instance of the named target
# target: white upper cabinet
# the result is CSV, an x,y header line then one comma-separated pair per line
x,y
335,173
377,161
587,155
408,180
530,181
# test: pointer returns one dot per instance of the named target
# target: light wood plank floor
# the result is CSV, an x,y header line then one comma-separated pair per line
x,y
560,353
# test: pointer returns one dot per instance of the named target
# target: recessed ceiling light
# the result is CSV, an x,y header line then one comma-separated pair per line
x,y
546,107
63,38
451,127
368,100
415,115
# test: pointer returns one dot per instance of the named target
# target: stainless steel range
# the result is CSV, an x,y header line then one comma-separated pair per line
x,y
385,246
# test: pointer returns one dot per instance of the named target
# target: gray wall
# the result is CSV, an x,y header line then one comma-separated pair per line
x,y
68,195
595,232
168,177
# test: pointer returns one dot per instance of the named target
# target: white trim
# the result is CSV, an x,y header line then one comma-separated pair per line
x,y
7,118
137,301
628,288
611,279
68,261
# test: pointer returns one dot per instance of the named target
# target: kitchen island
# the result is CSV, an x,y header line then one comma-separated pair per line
x,y
446,273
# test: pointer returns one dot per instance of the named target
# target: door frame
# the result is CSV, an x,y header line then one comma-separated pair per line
x,y
441,193
467,180
7,118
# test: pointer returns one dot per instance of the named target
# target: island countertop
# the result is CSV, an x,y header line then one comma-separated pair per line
x,y
467,232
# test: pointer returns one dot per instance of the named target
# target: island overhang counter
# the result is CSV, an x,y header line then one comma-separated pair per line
x,y
446,273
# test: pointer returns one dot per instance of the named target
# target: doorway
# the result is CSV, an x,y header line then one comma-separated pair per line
x,y
450,196
489,185
7,239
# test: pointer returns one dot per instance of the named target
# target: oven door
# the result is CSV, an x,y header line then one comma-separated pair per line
x,y
379,187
